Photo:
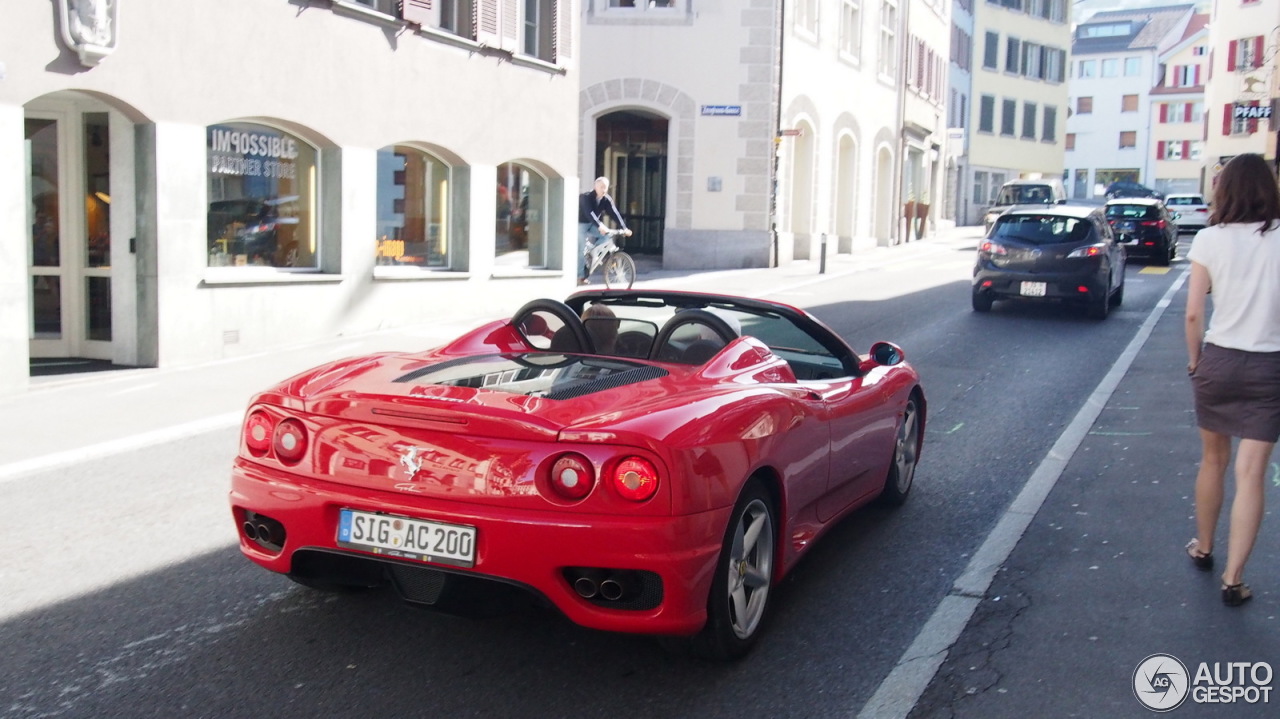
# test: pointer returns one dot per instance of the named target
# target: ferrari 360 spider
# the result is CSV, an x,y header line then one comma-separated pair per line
x,y
642,461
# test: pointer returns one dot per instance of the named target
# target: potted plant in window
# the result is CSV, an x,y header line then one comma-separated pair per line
x,y
921,214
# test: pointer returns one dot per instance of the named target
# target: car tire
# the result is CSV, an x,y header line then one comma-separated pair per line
x,y
906,451
982,302
1100,306
1117,297
1164,258
743,580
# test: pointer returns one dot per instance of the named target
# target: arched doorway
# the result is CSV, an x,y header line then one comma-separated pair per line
x,y
885,216
846,192
631,150
802,164
81,214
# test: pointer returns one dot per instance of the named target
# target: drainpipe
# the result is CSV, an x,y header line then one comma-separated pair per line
x,y
899,166
776,139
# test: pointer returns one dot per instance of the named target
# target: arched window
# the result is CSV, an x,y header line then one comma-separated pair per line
x,y
521,227
414,201
262,197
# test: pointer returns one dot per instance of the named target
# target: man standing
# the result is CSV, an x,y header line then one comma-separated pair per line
x,y
592,205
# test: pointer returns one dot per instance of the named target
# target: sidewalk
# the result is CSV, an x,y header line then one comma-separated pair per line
x,y
66,418
1099,581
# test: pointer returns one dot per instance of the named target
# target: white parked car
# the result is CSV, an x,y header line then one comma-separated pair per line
x,y
1193,211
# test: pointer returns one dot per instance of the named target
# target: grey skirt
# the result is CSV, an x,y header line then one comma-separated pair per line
x,y
1238,393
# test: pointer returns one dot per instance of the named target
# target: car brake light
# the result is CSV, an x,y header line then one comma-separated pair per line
x,y
992,248
258,429
1088,251
636,479
290,441
572,476
1082,290
1153,223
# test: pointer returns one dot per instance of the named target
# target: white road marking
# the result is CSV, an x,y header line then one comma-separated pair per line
x,y
13,470
898,693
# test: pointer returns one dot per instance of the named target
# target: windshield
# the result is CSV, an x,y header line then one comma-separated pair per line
x,y
1025,195
1042,229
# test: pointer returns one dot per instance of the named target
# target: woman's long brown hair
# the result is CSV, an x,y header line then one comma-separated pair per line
x,y
1246,192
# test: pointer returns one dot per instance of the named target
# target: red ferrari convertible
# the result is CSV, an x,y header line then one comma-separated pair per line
x,y
643,461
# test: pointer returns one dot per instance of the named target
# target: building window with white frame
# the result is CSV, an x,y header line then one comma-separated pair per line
x,y
1110,67
991,51
262,185
643,4
1132,66
1029,120
414,203
1128,139
1013,56
1009,118
1031,57
888,49
987,113
806,18
1088,68
851,30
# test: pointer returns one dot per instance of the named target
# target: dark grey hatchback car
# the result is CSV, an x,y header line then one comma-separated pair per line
x,y
1060,253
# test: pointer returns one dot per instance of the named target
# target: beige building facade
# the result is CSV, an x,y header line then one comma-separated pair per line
x,y
247,174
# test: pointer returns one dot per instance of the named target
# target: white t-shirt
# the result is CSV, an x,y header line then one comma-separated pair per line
x,y
1244,269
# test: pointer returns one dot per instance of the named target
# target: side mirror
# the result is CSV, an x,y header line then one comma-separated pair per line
x,y
887,354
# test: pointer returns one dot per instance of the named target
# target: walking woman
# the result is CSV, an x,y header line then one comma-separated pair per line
x,y
1235,365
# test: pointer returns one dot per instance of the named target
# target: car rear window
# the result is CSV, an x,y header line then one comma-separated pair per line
x,y
1042,229
1185,201
1025,195
1132,212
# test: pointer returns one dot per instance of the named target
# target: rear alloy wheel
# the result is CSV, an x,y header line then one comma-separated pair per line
x,y
906,450
982,302
744,576
619,271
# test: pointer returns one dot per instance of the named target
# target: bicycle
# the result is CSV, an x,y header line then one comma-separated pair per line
x,y
619,269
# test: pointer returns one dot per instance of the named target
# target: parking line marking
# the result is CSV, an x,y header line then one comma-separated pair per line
x,y
901,689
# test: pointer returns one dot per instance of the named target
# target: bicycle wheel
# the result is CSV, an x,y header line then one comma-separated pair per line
x,y
619,271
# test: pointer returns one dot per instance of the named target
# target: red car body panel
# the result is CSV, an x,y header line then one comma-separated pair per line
x,y
480,457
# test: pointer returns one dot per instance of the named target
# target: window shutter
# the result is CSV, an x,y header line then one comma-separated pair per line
x,y
1275,109
1257,51
1231,55
1226,119
1164,112
563,30
1187,111
485,15
1197,76
510,23
1186,149
418,12
1160,153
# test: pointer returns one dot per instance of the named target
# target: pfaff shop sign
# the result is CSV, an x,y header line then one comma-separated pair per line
x,y
1252,112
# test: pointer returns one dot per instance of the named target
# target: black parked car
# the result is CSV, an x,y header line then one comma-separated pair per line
x,y
1062,253
1145,228
1131,189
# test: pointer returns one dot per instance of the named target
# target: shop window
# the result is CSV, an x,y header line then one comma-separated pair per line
x,y
262,198
521,222
415,198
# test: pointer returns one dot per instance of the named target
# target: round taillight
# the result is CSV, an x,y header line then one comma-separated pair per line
x,y
290,441
258,429
572,476
636,479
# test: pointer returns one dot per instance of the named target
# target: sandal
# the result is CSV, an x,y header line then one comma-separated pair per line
x,y
1233,595
1202,560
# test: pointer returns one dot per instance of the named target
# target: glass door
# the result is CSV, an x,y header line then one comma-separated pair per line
x,y
69,235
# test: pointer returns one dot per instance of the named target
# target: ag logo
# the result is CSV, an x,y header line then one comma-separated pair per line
x,y
1161,682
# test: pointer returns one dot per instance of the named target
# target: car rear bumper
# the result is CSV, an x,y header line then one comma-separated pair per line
x,y
527,549
1146,248
1058,286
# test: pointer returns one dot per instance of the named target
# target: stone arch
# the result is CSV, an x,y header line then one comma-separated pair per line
x,y
885,215
635,93
847,136
801,114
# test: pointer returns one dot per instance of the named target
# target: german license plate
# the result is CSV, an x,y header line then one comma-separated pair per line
x,y
419,539
1032,289
1124,226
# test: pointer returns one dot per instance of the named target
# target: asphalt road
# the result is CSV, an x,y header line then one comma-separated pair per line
x,y
124,594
